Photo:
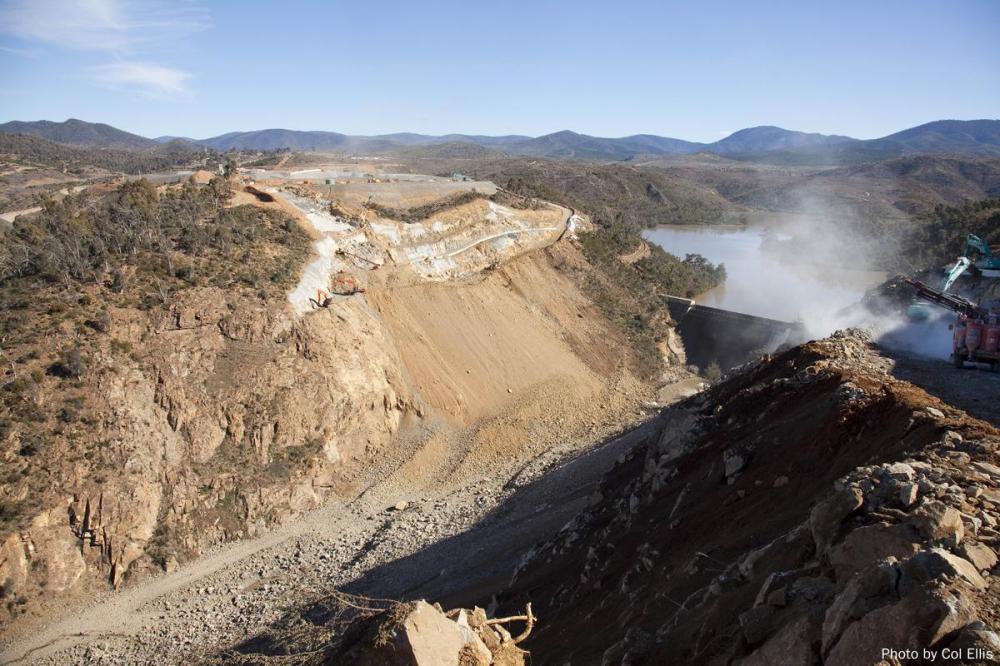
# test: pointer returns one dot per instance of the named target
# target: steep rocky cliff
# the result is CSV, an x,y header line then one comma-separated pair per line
x,y
237,416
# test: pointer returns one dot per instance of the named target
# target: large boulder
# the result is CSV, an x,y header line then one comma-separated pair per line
x,y
936,521
792,645
872,543
417,634
872,588
981,556
937,562
919,620
826,517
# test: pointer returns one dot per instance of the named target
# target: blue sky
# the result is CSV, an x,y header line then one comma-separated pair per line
x,y
695,70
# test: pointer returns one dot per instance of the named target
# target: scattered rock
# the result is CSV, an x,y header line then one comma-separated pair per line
x,y
980,555
920,619
987,468
936,520
936,562
900,471
977,639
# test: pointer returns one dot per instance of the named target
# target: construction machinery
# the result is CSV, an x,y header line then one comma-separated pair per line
x,y
986,260
976,256
342,284
976,331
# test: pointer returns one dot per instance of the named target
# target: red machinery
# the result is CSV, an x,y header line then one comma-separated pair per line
x,y
976,331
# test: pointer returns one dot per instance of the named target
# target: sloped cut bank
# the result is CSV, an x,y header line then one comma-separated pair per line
x,y
811,509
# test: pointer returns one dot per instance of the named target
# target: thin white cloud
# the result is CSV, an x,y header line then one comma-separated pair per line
x,y
24,53
127,29
150,79
100,25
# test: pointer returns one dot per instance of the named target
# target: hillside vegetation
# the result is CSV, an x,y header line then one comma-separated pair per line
x,y
79,133
610,193
871,214
937,239
67,270
632,294
32,150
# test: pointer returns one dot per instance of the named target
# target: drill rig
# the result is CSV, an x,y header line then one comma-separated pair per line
x,y
976,330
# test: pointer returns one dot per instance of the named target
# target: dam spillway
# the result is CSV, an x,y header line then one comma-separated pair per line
x,y
728,338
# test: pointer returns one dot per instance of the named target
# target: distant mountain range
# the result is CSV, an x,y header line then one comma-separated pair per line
x,y
75,132
766,143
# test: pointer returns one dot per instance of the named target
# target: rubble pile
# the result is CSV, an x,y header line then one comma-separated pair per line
x,y
810,509
418,633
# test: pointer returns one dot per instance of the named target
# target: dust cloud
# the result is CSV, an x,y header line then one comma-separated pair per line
x,y
825,236
809,268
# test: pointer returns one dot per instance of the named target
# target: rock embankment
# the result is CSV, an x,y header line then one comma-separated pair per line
x,y
810,509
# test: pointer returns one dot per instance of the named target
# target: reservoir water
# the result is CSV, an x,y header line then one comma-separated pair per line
x,y
764,283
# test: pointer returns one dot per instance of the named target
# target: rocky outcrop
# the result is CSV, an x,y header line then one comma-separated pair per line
x,y
810,509
234,418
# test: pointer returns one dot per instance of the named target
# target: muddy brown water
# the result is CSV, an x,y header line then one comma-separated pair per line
x,y
760,283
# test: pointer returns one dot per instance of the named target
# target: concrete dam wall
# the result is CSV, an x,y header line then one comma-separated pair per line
x,y
726,337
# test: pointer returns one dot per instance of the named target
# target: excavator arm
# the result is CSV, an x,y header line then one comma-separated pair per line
x,y
960,267
951,302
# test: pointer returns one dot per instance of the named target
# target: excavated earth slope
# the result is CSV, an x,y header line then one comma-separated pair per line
x,y
811,509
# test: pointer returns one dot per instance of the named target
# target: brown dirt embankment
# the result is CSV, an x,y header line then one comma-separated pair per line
x,y
468,347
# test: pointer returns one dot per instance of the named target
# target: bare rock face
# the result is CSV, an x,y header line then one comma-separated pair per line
x,y
220,416
47,550
236,420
